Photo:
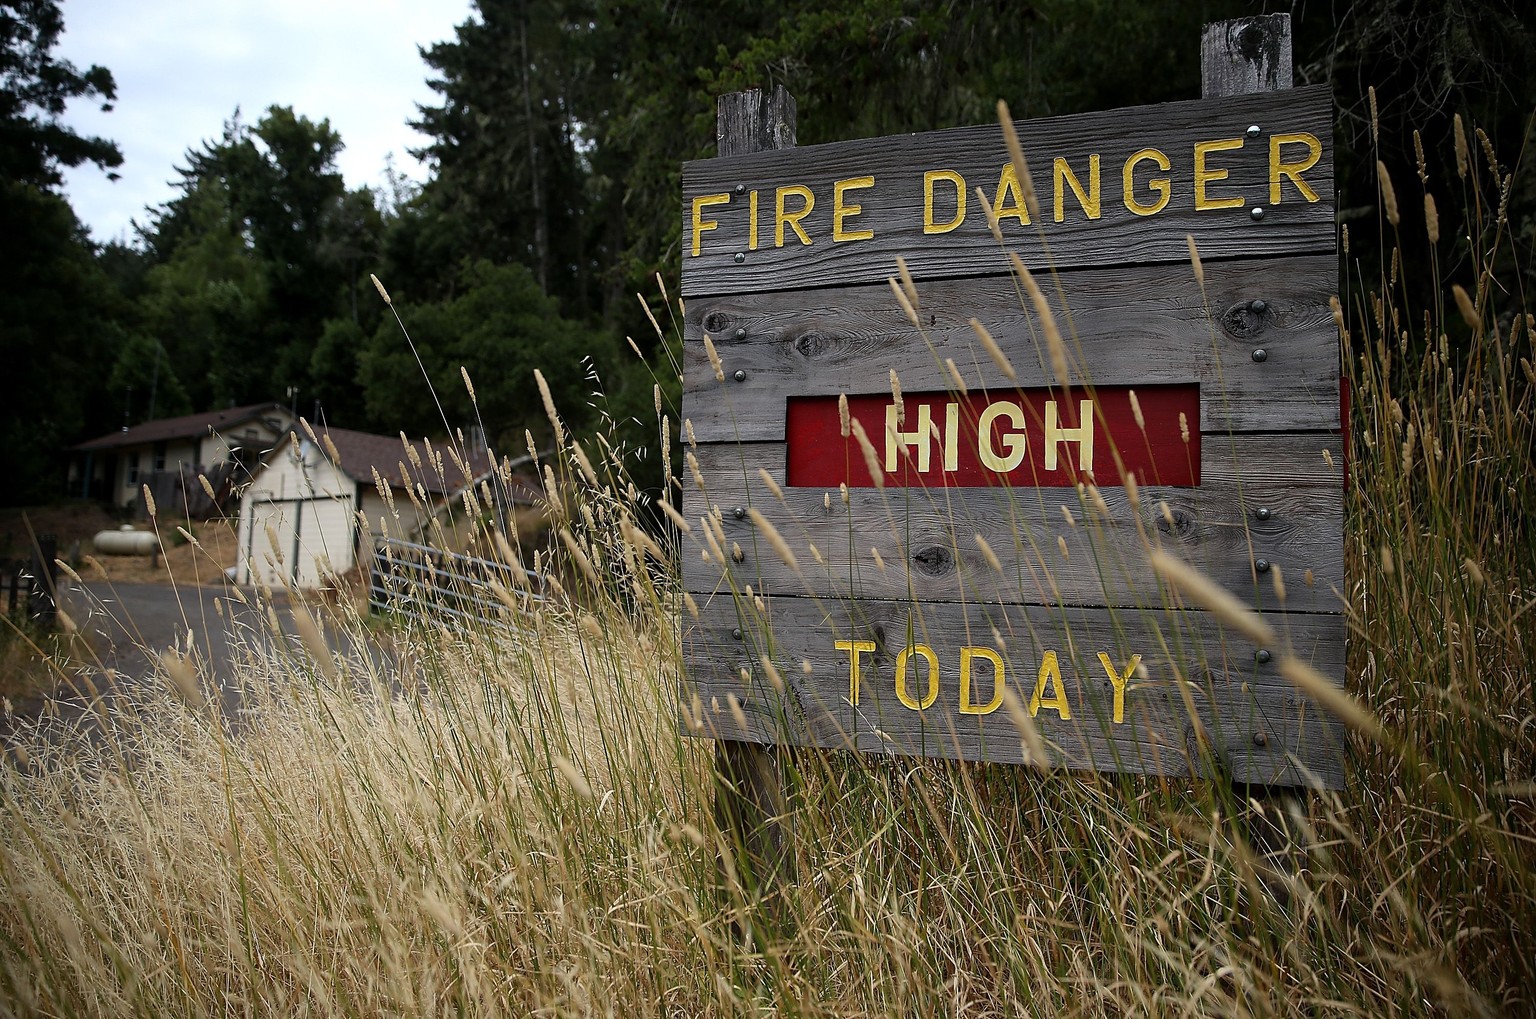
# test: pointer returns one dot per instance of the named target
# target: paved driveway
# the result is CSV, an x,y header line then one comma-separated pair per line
x,y
129,625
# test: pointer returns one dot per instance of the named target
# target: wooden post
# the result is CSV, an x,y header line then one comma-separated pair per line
x,y
750,807
1241,57
1246,55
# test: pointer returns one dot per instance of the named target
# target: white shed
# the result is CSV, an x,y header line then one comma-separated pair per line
x,y
299,516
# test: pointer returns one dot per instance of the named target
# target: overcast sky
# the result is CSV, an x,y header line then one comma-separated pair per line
x,y
182,66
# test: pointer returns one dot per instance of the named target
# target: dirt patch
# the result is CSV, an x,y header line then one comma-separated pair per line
x,y
202,559
180,561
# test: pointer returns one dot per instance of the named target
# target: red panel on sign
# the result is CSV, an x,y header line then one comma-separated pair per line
x,y
1022,438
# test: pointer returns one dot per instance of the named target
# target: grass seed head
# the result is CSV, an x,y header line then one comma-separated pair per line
x,y
549,407
1020,165
1462,161
772,485
1388,194
714,358
775,539
1194,260
991,214
905,302
994,351
988,554
1209,595
906,281
871,461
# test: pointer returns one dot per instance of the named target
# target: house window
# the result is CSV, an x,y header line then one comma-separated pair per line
x,y
133,470
159,456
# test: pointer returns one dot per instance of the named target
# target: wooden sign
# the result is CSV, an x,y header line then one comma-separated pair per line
x,y
899,548
1111,188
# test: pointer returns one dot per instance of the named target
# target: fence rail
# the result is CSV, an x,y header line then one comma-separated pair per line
x,y
421,583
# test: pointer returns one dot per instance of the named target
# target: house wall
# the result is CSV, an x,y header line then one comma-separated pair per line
x,y
308,504
251,437
134,462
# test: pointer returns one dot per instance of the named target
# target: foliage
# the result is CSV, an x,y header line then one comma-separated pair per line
x,y
509,178
498,328
34,89
58,327
59,318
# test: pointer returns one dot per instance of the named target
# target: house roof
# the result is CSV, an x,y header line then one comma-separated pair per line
x,y
188,426
361,453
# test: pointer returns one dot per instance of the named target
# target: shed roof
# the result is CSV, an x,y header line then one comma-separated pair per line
x,y
359,454
188,426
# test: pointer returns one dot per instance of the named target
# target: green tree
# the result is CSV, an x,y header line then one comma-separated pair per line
x,y
58,327
499,327
209,303
510,180
144,369
35,88
262,248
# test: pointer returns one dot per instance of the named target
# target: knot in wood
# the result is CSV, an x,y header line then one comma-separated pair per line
x,y
716,322
815,344
1179,523
935,561
1242,322
1259,40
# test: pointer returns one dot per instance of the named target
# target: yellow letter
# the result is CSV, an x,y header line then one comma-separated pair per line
x,y
1278,169
1050,672
1090,201
792,218
929,226
924,652
1204,176
1118,681
894,437
842,211
1008,191
752,221
966,707
700,224
952,437
1082,435
1160,185
1014,444
856,649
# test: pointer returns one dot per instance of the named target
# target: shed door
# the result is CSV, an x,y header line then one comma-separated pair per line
x,y
272,524
325,540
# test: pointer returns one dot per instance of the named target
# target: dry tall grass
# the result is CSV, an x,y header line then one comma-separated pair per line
x,y
504,820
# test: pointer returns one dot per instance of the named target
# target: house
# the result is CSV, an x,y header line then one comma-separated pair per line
x,y
300,516
115,467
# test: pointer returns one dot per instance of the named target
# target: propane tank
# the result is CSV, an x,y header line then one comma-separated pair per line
x,y
126,541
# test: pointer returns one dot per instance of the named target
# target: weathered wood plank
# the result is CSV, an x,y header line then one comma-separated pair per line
x,y
754,121
926,538
1255,725
1129,326
1245,56
888,196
